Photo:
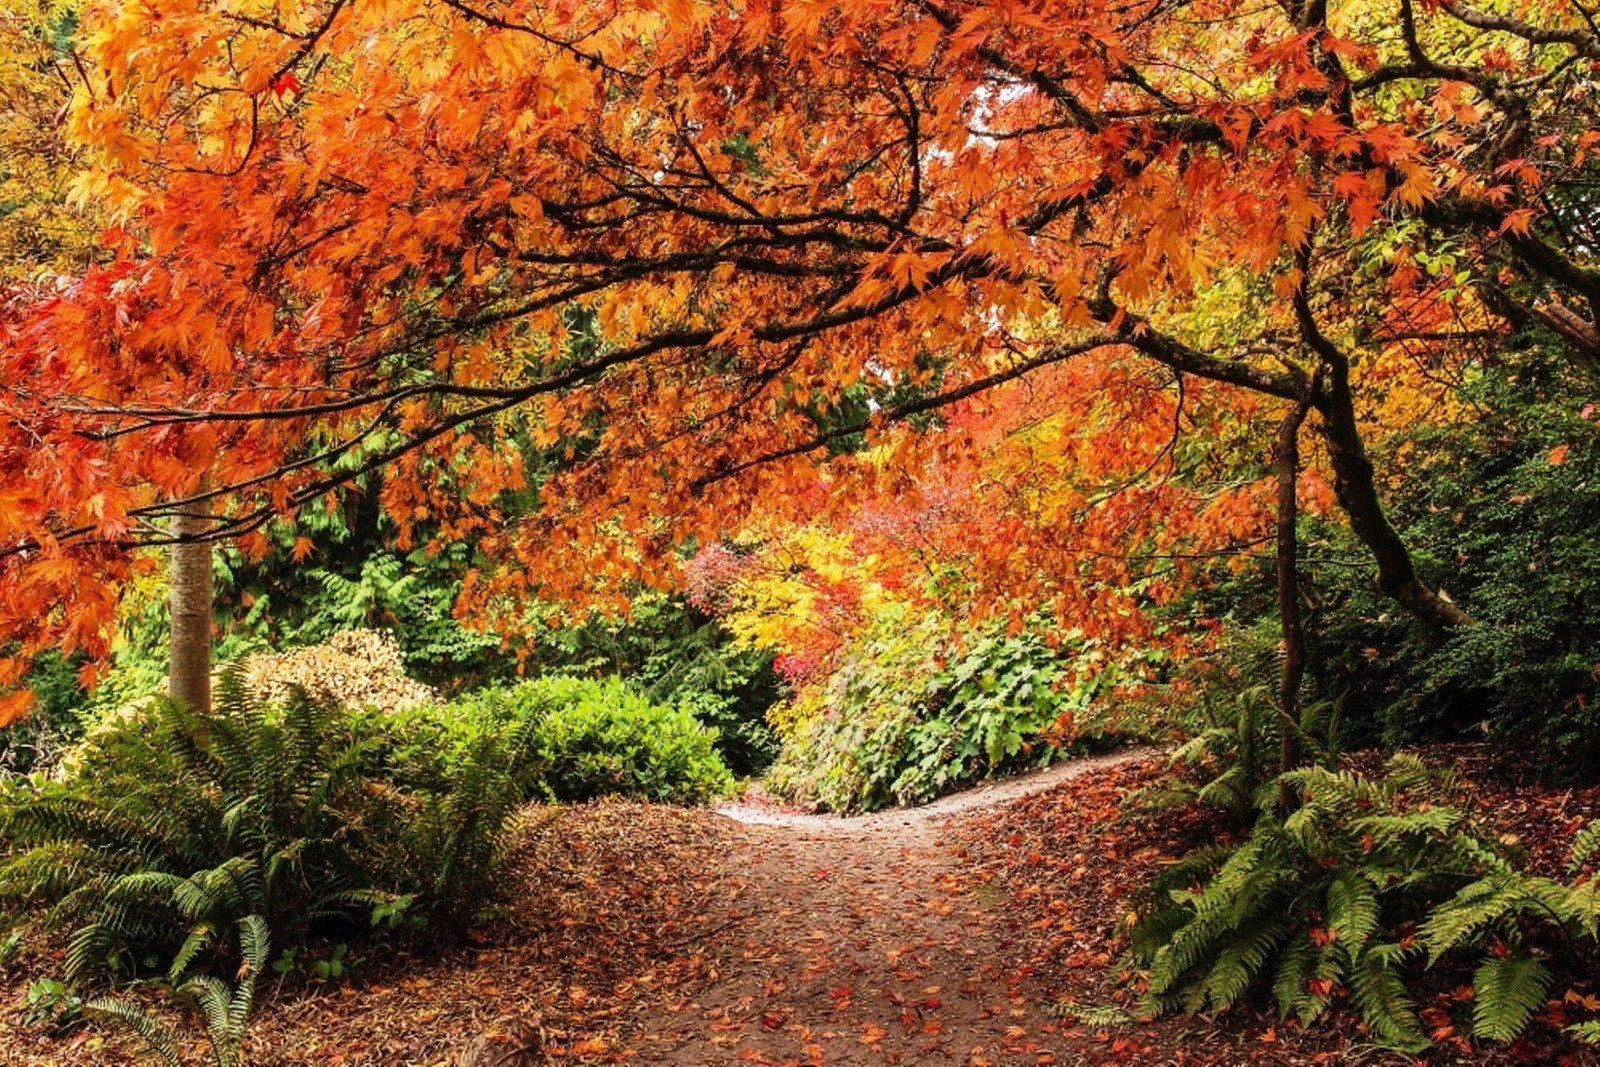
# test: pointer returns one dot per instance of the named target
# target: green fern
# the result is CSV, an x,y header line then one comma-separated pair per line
x,y
1378,991
1585,847
159,1040
224,1013
1508,991
1312,901
1473,910
178,825
1291,986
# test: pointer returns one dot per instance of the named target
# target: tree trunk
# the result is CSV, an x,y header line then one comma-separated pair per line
x,y
1357,490
1287,455
189,679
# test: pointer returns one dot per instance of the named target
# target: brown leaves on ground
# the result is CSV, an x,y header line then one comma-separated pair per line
x,y
655,935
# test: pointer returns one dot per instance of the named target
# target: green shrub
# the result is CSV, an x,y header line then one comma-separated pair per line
x,y
1511,535
1221,712
910,713
175,824
57,718
1499,509
678,656
1364,881
590,737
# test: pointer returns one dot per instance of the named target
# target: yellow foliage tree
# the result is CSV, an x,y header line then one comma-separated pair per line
x,y
41,234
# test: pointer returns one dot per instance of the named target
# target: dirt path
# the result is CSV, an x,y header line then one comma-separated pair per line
x,y
860,941
982,797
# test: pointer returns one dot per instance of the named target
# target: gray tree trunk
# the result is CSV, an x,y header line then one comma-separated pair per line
x,y
189,679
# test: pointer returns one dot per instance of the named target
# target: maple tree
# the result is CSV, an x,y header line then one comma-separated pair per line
x,y
652,246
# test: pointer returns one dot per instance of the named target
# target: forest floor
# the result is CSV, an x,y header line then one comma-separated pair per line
x,y
981,930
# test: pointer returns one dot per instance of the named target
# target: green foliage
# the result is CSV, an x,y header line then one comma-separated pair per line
x,y
1238,754
177,824
10,949
1501,511
1362,880
57,718
590,737
279,604
49,1000
679,657
332,569
1587,1031
1228,709
1509,990
910,713
223,1012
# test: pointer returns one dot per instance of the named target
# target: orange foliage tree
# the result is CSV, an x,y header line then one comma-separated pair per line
x,y
652,243
1096,491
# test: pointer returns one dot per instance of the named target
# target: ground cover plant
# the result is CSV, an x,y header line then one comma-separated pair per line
x,y
909,714
591,738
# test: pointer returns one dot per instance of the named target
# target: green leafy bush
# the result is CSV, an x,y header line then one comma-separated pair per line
x,y
910,713
678,656
591,737
1500,510
1363,882
1222,713
175,824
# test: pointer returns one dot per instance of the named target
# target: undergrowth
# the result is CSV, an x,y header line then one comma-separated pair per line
x,y
912,711
1364,883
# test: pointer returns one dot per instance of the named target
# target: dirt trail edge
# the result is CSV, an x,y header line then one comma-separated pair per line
x,y
979,798
862,941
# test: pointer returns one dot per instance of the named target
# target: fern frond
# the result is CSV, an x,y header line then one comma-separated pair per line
x,y
1585,847
221,894
1296,965
1238,964
1475,907
255,945
1190,945
1378,992
1352,909
1508,991
158,1039
89,949
212,999
1576,906
1388,830
199,939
